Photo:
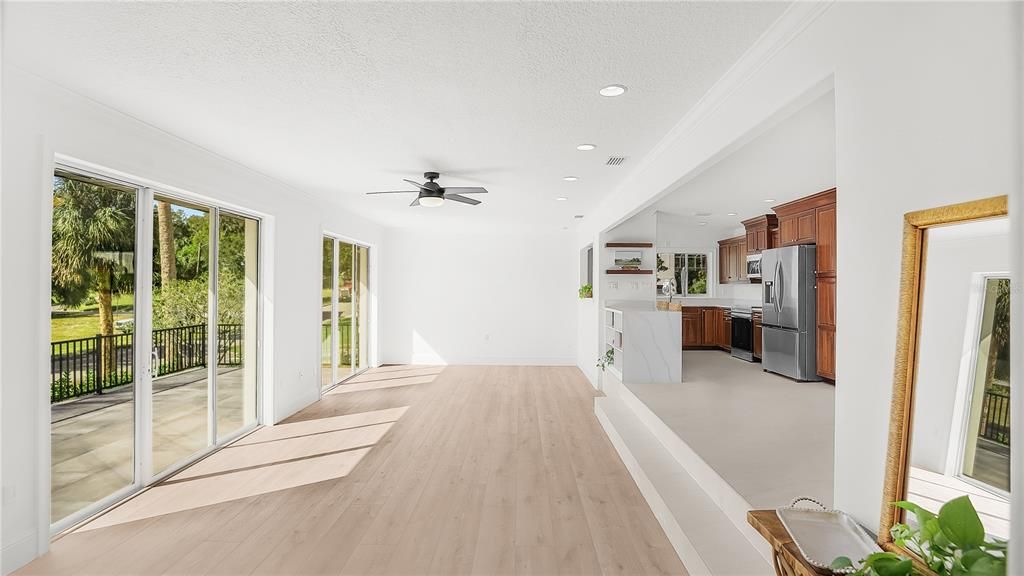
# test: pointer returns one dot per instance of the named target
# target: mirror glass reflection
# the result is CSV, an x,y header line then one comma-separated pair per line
x,y
960,425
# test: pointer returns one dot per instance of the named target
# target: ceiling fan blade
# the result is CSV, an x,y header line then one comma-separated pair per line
x,y
415,202
396,192
417,184
466,189
460,198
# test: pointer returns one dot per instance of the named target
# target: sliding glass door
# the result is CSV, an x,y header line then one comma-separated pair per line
x,y
181,307
344,311
135,396
92,293
237,291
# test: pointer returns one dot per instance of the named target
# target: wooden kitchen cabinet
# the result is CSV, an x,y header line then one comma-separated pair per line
x,y
693,328
725,332
759,236
732,260
723,263
710,320
756,317
812,220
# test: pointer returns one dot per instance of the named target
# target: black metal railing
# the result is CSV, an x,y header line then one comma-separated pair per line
x,y
345,346
995,417
91,365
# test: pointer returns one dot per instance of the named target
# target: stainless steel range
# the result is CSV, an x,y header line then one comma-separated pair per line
x,y
742,333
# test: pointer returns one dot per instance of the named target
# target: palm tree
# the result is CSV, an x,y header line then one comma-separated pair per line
x,y
93,239
168,253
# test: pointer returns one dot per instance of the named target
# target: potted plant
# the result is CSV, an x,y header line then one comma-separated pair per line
x,y
608,358
950,543
586,291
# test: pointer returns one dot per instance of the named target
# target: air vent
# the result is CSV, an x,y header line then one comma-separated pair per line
x,y
615,161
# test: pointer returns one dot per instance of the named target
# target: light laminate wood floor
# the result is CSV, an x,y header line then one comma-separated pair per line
x,y
407,470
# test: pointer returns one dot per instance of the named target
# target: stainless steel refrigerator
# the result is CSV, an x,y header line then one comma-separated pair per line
x,y
788,316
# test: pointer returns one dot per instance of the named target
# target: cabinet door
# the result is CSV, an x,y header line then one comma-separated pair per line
x,y
723,264
739,256
693,335
826,327
752,241
826,240
757,337
787,230
774,241
806,223
760,239
710,320
726,334
826,341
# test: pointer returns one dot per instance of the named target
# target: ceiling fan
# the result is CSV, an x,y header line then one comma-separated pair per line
x,y
433,195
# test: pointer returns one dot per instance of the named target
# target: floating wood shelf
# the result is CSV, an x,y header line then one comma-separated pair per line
x,y
616,271
629,245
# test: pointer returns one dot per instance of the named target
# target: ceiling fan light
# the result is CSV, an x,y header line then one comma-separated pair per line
x,y
431,201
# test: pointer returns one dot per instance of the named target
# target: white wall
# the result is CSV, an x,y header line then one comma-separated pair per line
x,y
479,298
40,120
955,254
927,102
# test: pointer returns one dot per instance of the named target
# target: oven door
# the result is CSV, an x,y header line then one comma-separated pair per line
x,y
743,337
754,266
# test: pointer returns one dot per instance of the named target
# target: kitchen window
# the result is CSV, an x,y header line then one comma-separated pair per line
x,y
687,271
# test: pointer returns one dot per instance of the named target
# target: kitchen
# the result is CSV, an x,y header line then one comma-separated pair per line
x,y
741,260
790,255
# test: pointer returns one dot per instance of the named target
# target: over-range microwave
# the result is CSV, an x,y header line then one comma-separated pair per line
x,y
754,266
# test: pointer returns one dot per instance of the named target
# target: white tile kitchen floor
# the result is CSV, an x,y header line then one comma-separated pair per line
x,y
768,437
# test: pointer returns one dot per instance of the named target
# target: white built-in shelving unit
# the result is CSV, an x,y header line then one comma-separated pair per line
x,y
646,343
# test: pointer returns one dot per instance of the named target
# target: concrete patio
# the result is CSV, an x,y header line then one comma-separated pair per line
x,y
92,439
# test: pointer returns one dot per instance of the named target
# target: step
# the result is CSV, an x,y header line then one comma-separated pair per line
x,y
705,538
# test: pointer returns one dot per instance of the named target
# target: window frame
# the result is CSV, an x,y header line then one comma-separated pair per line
x,y
682,286
965,383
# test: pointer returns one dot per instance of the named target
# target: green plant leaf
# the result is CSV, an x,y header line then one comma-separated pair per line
x,y
893,566
987,566
959,522
922,515
971,556
841,562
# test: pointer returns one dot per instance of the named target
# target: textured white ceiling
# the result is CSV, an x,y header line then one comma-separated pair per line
x,y
793,158
344,98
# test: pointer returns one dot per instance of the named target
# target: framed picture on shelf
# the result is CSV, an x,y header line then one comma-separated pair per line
x,y
628,259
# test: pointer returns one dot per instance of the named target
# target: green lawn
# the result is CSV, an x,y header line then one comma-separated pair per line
x,y
85,322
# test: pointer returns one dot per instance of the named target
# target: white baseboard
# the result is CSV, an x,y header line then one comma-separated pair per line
x,y
18,553
435,360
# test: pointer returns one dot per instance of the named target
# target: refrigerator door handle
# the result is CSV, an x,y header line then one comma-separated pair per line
x,y
780,288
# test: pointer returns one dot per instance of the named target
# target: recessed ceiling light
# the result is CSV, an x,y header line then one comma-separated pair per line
x,y
561,198
570,178
612,90
565,227
731,214
585,147
769,200
703,223
578,216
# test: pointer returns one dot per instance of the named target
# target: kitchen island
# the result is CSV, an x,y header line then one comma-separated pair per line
x,y
643,343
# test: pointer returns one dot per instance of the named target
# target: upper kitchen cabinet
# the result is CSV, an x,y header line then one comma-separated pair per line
x,y
798,220
732,260
759,233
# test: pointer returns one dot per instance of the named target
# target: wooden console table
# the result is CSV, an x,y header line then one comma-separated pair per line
x,y
785,556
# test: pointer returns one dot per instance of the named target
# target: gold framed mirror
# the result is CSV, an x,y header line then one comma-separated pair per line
x,y
949,417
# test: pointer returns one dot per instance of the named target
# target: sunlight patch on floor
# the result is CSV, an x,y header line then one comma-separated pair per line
x,y
270,459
